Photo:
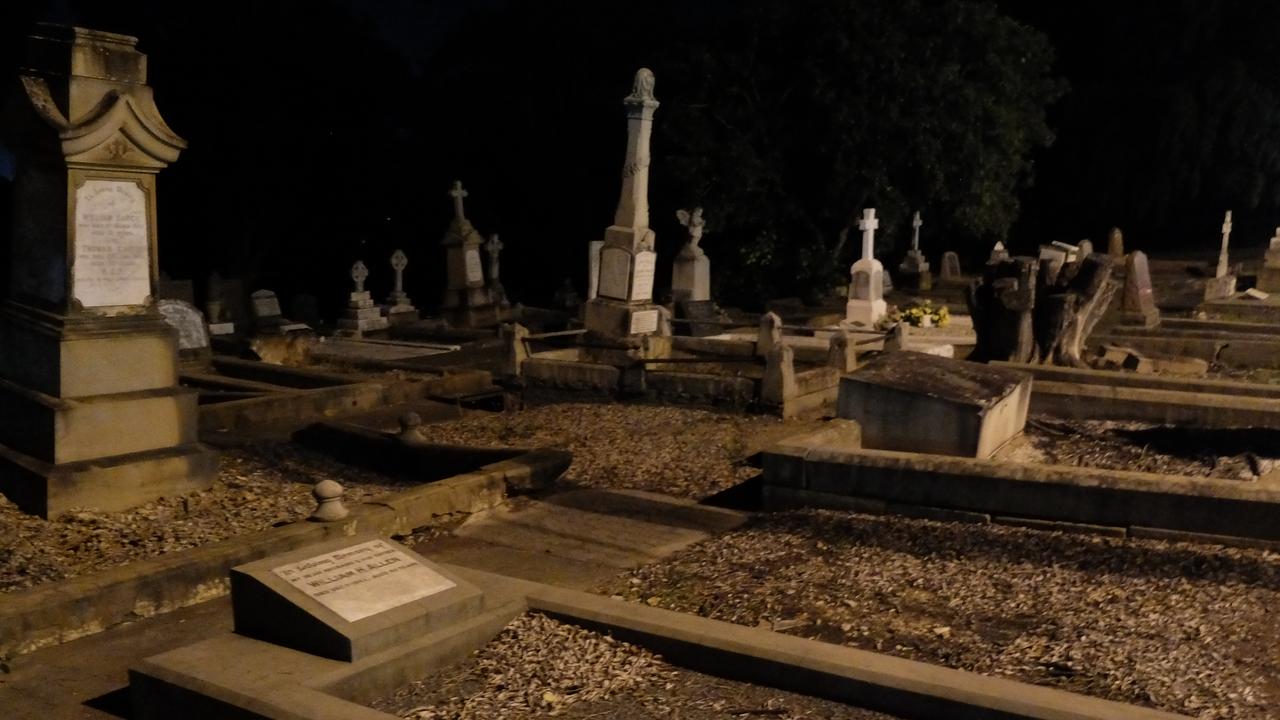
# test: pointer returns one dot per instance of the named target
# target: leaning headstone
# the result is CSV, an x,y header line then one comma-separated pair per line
x,y
914,267
193,334
361,315
1115,243
267,317
866,305
348,599
1139,303
951,407
467,302
93,415
951,274
627,259
1223,283
1269,276
691,273
400,309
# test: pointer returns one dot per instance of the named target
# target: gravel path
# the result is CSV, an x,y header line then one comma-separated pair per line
x,y
539,667
1180,627
256,489
673,450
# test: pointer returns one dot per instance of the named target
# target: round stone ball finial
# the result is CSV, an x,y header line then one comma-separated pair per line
x,y
328,493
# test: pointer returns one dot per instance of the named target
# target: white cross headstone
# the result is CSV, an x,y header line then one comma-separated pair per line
x,y
868,224
493,247
1223,258
359,273
916,222
399,261
457,193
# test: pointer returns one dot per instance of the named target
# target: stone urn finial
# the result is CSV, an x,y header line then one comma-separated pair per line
x,y
328,493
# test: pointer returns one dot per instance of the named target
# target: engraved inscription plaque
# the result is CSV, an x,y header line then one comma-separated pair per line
x,y
642,282
615,273
644,322
112,265
363,580
475,273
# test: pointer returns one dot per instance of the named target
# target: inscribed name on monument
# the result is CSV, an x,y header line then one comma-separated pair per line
x,y
642,285
363,580
615,273
644,322
475,272
112,259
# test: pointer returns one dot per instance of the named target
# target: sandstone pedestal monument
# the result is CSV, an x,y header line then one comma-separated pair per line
x,y
866,305
623,306
915,268
691,273
361,315
467,301
92,412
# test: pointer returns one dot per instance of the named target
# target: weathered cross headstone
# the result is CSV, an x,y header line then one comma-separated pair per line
x,y
493,248
1138,304
1269,276
80,328
627,259
399,309
951,268
914,267
1223,283
361,315
467,301
866,305
691,274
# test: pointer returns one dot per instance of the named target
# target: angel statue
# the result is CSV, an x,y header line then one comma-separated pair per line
x,y
694,222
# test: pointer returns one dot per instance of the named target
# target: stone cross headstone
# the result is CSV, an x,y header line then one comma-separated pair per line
x,y
1138,304
399,261
1115,243
458,194
691,273
81,320
361,315
1224,263
625,284
359,273
914,267
916,222
499,293
399,309
866,305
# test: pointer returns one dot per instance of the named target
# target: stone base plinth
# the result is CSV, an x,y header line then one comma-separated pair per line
x,y
358,321
865,313
613,318
1220,288
401,314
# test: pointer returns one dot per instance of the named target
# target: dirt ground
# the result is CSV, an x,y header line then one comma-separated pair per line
x,y
539,667
1181,627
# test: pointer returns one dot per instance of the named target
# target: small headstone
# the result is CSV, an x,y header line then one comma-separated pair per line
x,y
1139,303
566,297
267,318
951,268
493,248
1115,243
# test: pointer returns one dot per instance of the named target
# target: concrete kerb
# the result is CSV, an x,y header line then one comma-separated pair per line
x,y
267,681
58,612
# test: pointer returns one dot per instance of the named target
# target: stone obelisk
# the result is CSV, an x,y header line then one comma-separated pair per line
x,y
623,305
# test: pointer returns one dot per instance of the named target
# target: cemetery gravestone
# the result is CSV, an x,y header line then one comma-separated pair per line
x,y
914,267
267,318
1115,243
81,322
691,273
951,274
1139,303
1223,283
193,334
494,249
400,309
215,305
866,305
467,302
361,315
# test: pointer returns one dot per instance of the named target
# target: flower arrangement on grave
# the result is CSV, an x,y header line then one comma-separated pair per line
x,y
925,314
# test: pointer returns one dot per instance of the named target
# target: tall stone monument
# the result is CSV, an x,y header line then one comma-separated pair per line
x,y
467,301
915,268
623,305
1223,283
866,304
93,415
691,273
1269,275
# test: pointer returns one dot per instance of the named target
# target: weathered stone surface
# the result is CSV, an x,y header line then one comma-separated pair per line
x,y
1139,303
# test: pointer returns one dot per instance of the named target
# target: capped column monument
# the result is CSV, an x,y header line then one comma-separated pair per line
x,y
623,305
93,415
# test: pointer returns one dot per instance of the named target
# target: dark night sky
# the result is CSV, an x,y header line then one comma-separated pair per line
x,y
328,130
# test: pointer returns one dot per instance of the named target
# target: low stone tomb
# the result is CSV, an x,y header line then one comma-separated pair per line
x,y
347,599
914,402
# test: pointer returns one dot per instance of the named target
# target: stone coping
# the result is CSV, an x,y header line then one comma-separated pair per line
x,y
1120,378
57,612
234,675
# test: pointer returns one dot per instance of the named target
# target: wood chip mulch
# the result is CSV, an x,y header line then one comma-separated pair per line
x,y
538,667
1186,628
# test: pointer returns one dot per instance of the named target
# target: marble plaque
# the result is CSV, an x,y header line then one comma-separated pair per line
x,y
642,281
615,273
475,271
112,265
644,322
363,580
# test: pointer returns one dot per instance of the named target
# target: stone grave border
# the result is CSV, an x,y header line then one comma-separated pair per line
x,y
1234,343
268,681
58,612
808,470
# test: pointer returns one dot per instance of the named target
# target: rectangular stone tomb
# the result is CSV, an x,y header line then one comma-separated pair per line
x,y
347,599
913,402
